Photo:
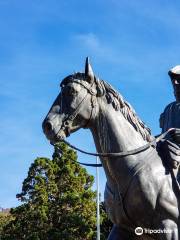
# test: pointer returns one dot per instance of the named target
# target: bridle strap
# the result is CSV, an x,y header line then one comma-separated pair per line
x,y
86,85
70,118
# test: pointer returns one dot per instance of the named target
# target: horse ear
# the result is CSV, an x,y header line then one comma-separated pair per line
x,y
88,71
99,87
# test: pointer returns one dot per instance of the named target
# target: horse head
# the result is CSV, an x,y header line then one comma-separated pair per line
x,y
73,107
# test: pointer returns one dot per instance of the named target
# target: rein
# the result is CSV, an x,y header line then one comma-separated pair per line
x,y
69,119
119,154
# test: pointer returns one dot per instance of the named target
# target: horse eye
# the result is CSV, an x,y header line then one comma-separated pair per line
x,y
177,81
70,91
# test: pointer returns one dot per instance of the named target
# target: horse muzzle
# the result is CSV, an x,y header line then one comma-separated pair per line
x,y
54,133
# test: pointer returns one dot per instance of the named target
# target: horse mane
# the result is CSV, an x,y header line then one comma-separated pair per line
x,y
118,103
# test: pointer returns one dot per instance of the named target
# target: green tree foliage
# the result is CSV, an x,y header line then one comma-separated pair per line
x,y
106,224
57,201
5,219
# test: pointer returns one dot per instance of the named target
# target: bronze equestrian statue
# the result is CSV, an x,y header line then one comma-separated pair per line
x,y
140,189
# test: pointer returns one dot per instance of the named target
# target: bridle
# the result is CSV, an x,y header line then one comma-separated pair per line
x,y
68,120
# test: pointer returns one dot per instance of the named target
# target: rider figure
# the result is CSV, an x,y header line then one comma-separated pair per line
x,y
170,118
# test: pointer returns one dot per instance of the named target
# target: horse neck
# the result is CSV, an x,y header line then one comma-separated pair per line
x,y
113,133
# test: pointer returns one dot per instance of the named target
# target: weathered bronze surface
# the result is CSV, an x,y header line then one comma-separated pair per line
x,y
170,118
139,190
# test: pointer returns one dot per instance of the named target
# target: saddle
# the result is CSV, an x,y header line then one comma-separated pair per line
x,y
169,150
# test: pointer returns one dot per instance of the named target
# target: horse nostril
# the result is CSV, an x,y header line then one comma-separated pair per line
x,y
48,127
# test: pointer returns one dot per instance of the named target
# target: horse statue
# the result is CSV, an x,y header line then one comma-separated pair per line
x,y
140,195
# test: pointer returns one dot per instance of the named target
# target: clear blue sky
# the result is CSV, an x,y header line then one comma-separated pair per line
x,y
132,45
